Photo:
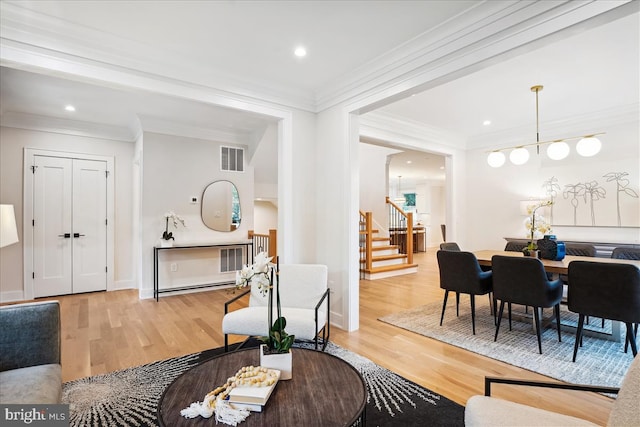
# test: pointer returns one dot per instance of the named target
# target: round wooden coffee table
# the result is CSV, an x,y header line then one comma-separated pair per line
x,y
324,391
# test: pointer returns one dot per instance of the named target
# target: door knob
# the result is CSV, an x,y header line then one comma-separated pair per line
x,y
65,235
76,235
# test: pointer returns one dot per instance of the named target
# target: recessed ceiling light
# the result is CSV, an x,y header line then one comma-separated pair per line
x,y
70,108
409,162
486,122
300,52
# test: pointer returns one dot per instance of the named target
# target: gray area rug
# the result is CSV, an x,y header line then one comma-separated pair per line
x,y
599,362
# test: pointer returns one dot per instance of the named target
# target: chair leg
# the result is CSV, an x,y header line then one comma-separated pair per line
x,y
473,313
457,304
509,304
556,309
578,336
444,305
536,316
495,311
226,343
626,340
491,307
631,338
495,338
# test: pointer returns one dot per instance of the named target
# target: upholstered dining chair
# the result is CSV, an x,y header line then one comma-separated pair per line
x,y
607,290
514,246
449,246
631,254
522,280
626,253
304,298
481,411
461,273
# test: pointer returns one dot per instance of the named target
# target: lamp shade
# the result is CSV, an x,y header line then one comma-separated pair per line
x,y
588,146
519,156
8,229
558,150
496,159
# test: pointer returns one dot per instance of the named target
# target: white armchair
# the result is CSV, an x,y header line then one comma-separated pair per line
x,y
485,411
304,300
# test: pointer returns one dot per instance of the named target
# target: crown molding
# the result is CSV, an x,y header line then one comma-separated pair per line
x,y
162,126
56,37
389,127
473,39
584,124
476,38
67,127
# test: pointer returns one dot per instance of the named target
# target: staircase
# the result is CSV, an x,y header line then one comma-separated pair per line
x,y
385,259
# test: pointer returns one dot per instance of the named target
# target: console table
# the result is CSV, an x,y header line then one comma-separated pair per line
x,y
248,256
324,391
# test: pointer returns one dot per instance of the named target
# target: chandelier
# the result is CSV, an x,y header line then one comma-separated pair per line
x,y
558,149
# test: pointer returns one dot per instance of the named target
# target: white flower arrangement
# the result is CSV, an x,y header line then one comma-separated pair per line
x,y
536,224
262,272
175,219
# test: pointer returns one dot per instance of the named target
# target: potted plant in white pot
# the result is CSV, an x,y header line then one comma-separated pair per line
x,y
275,353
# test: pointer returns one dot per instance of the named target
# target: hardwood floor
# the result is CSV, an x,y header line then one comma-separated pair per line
x,y
107,331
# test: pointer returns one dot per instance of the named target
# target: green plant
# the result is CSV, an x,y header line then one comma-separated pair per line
x,y
261,272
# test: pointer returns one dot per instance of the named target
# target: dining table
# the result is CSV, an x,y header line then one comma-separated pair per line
x,y
550,266
562,267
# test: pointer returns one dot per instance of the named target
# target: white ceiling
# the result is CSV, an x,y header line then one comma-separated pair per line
x,y
250,44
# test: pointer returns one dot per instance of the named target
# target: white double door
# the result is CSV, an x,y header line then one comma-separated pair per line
x,y
69,226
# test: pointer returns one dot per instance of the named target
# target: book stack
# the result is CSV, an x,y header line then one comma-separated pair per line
x,y
252,398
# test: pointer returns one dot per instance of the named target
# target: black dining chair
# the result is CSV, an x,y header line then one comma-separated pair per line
x,y
522,280
461,273
449,246
607,290
626,253
515,246
631,254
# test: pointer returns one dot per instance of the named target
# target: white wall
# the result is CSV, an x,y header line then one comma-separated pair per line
x,y
176,168
373,182
494,194
13,141
265,215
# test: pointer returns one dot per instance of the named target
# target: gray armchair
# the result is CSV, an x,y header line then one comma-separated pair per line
x,y
30,371
491,411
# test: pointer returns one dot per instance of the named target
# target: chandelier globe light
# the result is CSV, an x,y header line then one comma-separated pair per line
x,y
519,156
558,149
588,146
496,159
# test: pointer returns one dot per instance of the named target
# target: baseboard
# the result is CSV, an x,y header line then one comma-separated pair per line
x,y
123,284
12,296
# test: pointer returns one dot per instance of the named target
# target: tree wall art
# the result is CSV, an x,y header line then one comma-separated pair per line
x,y
607,199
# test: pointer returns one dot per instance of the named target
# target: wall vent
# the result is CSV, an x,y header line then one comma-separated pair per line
x,y
231,259
232,159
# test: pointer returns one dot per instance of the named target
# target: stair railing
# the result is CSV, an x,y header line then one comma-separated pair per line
x,y
401,229
265,243
366,241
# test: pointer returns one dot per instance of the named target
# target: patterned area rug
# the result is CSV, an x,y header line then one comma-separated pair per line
x,y
129,397
599,362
